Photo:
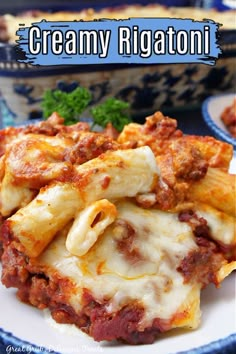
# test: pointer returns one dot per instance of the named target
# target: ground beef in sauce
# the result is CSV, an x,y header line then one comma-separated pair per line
x,y
200,265
90,146
54,292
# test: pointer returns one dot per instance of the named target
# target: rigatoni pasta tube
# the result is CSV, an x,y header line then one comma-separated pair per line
x,y
222,225
36,224
89,224
12,196
113,175
217,189
31,162
225,270
116,174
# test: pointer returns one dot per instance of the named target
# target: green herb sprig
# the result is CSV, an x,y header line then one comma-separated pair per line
x,y
71,105
111,111
67,105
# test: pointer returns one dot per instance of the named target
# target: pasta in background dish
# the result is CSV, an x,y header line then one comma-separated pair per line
x,y
118,237
9,24
228,117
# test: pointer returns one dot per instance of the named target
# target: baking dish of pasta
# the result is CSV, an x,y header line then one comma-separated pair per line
x,y
118,235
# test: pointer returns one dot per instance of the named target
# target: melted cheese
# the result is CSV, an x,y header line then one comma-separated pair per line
x,y
162,241
35,225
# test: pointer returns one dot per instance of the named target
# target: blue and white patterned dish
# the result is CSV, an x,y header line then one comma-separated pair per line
x,y
8,342
212,109
146,87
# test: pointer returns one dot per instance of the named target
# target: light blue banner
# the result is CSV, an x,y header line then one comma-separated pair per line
x,y
133,41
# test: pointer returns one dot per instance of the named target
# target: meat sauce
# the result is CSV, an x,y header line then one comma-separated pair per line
x,y
200,265
54,292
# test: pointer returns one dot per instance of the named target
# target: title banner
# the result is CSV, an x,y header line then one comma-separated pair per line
x,y
136,41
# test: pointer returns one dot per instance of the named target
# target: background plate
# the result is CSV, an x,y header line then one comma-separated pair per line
x,y
212,108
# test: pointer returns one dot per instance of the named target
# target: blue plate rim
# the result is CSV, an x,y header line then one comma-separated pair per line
x,y
222,346
211,123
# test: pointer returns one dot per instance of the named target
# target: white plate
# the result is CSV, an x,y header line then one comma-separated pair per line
x,y
31,325
212,108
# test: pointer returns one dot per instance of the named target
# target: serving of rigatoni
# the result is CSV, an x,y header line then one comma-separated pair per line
x,y
116,235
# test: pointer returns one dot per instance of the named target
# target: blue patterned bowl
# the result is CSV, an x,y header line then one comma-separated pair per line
x,y
146,87
9,342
